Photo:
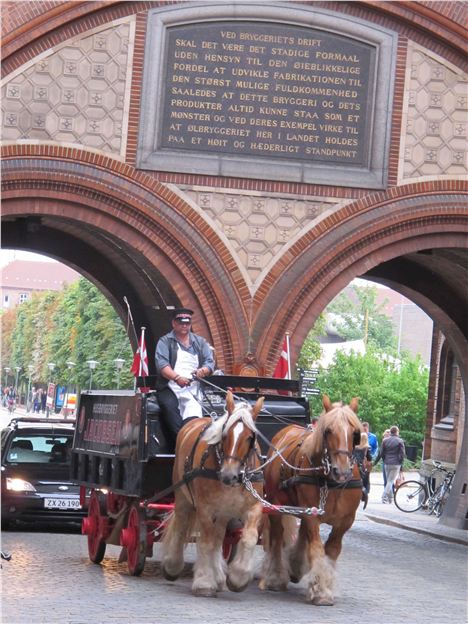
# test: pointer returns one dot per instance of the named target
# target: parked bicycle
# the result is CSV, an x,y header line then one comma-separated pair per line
x,y
413,495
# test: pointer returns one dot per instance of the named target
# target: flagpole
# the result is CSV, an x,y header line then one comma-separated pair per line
x,y
142,342
288,355
130,317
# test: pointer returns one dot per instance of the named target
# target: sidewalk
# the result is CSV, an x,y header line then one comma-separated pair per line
x,y
418,521
376,511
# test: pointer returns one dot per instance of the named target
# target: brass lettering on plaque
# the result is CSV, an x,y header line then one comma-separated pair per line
x,y
267,90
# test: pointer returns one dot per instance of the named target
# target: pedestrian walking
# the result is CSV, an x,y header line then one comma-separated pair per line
x,y
393,454
373,442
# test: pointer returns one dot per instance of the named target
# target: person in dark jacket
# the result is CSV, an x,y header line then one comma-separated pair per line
x,y
181,358
393,454
363,457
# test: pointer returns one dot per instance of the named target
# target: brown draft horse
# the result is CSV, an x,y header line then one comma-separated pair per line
x,y
216,453
330,482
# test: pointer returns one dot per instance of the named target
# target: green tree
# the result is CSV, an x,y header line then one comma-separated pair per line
x,y
359,316
391,391
311,351
76,324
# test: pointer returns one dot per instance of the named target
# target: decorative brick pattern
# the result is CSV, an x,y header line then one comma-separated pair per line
x,y
259,227
76,95
434,143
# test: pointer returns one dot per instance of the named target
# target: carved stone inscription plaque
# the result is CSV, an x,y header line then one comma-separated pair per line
x,y
267,90
271,92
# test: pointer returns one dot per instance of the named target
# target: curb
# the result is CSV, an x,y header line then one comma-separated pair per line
x,y
421,530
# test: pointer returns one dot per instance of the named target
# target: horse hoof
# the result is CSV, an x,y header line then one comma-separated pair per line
x,y
235,588
204,592
294,579
322,602
167,576
276,588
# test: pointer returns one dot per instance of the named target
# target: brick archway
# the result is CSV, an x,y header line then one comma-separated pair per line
x,y
382,233
160,252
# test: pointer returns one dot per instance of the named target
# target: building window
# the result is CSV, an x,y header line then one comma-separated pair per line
x,y
23,297
6,301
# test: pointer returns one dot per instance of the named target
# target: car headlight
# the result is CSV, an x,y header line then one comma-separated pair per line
x,y
19,485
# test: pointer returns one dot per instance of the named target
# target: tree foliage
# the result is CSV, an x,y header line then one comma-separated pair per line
x,y
311,350
391,392
76,324
358,316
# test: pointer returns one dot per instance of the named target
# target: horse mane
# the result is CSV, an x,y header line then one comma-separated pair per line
x,y
340,415
221,426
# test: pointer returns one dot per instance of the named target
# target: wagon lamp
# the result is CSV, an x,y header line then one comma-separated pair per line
x,y
92,365
119,362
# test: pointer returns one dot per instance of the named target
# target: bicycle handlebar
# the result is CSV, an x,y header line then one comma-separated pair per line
x,y
439,468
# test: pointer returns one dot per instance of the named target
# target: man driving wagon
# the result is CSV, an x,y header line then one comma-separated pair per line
x,y
181,355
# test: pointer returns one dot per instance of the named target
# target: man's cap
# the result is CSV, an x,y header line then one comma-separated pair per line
x,y
183,315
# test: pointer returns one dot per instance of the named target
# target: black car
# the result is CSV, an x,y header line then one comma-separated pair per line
x,y
35,472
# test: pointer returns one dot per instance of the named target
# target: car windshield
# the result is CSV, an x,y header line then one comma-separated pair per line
x,y
39,449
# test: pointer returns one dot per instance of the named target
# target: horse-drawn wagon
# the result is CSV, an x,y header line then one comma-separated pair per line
x,y
122,461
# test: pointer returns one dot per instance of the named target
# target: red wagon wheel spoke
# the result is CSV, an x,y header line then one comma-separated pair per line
x,y
134,539
91,528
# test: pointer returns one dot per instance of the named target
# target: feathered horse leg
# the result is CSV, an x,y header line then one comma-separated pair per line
x,y
240,570
209,572
275,575
176,535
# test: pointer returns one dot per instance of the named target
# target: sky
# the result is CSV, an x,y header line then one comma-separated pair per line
x,y
8,255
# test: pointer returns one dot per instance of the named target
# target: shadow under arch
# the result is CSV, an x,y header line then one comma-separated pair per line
x,y
118,232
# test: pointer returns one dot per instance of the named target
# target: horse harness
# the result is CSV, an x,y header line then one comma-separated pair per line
x,y
191,473
322,481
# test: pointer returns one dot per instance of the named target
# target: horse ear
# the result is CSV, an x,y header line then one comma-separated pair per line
x,y
354,404
327,404
258,407
229,402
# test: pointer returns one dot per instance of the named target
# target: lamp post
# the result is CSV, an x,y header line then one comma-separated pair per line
x,y
28,402
7,370
4,399
70,366
119,362
17,369
51,367
92,365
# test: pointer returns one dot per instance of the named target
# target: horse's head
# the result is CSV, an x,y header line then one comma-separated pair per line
x,y
338,432
235,435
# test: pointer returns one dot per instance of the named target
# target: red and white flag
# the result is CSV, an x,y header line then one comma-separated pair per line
x,y
283,367
140,359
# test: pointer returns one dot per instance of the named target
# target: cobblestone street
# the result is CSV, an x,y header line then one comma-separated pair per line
x,y
385,574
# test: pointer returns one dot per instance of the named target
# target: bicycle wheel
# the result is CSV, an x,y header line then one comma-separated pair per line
x,y
410,496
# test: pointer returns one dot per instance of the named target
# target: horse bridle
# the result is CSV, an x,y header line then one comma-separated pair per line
x,y
242,460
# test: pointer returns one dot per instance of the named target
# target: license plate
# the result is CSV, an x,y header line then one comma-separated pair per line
x,y
62,503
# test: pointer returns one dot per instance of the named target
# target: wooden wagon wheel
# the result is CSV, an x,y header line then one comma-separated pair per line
x,y
134,539
91,528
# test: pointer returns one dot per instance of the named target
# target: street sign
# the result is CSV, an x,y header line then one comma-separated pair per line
x,y
311,392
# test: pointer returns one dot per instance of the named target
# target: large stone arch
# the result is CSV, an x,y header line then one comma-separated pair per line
x,y
156,247
147,235
383,231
